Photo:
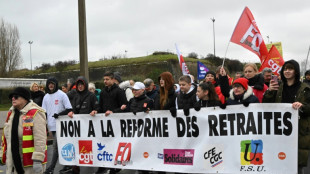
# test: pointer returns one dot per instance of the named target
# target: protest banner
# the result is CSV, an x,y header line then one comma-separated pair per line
x,y
261,138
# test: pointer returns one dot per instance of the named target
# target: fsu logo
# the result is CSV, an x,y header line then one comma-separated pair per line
x,y
251,152
85,152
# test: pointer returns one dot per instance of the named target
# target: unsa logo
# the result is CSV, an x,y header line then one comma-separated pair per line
x,y
251,152
68,152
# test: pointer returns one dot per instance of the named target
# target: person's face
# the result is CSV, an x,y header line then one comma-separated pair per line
x,y
137,92
184,86
64,89
209,78
51,86
35,88
108,81
249,72
238,89
91,90
150,88
201,93
18,102
237,76
81,87
308,77
162,82
289,73
267,76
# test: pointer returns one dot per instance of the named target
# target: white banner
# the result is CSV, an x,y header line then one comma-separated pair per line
x,y
261,138
19,82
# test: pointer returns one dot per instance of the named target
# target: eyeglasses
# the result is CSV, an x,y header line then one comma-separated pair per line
x,y
15,97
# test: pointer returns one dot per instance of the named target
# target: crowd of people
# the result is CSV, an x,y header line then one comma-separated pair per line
x,y
80,97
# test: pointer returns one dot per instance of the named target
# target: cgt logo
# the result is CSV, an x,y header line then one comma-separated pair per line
x,y
68,152
123,154
85,152
103,155
251,152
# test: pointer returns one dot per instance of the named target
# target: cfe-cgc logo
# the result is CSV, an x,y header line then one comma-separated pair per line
x,y
85,152
214,156
123,154
179,156
103,155
68,152
251,154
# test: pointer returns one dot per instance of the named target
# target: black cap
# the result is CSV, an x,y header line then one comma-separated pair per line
x,y
23,92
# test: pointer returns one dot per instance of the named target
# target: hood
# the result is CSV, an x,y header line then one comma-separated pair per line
x,y
84,81
125,84
51,80
297,70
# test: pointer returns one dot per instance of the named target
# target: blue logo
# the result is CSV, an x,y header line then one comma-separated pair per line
x,y
160,156
68,152
102,154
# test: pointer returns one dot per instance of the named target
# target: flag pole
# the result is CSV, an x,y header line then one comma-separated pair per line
x,y
225,54
307,59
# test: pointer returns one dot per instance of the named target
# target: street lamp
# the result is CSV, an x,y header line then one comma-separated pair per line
x,y
30,42
213,20
268,38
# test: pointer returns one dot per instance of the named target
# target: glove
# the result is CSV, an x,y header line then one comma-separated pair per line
x,y
197,106
245,103
134,113
56,116
223,106
37,167
173,112
186,111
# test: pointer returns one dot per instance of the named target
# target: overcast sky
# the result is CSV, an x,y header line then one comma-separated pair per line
x,y
144,26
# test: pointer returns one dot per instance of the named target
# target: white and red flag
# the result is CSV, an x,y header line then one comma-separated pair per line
x,y
183,66
248,35
273,61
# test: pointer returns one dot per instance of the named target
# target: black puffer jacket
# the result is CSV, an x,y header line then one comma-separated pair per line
x,y
140,104
84,102
37,97
112,99
257,82
170,102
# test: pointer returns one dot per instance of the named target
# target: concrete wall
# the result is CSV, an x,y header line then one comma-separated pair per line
x,y
3,115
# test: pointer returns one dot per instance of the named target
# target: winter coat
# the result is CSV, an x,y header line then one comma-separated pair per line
x,y
152,94
112,99
259,87
247,97
170,103
303,96
208,103
39,134
187,100
84,101
37,97
140,104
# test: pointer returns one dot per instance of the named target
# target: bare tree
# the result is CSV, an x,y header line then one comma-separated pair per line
x,y
10,56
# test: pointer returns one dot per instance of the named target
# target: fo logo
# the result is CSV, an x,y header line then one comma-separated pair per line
x,y
123,154
68,152
251,152
85,152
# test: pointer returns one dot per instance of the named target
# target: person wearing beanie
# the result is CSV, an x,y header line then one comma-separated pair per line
x,y
307,77
24,114
241,93
211,77
291,90
56,103
117,78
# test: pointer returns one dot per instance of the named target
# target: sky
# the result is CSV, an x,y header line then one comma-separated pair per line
x,y
136,28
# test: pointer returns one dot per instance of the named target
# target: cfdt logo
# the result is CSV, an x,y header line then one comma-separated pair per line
x,y
252,152
214,156
123,154
179,156
68,152
85,152
102,154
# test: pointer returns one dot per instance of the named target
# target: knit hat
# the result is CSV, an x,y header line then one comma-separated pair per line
x,y
243,82
211,72
117,76
138,86
20,91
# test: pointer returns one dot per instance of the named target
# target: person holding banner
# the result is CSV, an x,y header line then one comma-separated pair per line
x,y
211,77
207,96
256,80
24,136
291,90
241,93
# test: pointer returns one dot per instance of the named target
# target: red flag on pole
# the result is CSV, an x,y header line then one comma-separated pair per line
x,y
273,61
183,66
247,34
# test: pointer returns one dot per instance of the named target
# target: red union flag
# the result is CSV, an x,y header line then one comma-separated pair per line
x,y
183,66
248,35
273,61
